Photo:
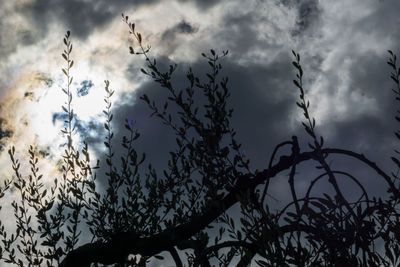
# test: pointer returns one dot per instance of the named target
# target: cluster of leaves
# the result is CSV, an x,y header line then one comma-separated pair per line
x,y
187,208
47,218
50,219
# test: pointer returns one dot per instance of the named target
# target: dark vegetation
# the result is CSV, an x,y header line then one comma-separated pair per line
x,y
186,212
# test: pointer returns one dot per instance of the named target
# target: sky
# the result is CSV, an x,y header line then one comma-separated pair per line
x,y
343,46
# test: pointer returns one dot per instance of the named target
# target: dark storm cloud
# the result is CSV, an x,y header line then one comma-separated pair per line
x,y
364,129
358,135
241,32
384,22
263,99
79,16
369,135
369,132
82,17
262,103
261,96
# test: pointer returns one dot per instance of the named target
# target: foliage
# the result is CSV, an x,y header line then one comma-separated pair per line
x,y
187,211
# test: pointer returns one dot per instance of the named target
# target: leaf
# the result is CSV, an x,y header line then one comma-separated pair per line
x,y
145,98
300,105
391,64
318,205
262,263
297,83
395,160
159,257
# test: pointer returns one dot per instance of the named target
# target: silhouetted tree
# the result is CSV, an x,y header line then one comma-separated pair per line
x,y
187,211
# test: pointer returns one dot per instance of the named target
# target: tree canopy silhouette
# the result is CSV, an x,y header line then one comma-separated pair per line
x,y
187,211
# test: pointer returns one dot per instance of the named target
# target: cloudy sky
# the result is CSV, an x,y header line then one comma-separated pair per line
x,y
343,46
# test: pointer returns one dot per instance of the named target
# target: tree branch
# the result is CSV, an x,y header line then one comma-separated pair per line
x,y
127,243
176,257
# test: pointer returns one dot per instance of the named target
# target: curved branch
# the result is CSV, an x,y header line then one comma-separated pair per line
x,y
270,165
371,164
332,179
307,197
176,257
351,177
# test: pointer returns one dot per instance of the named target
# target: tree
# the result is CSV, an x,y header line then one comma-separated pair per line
x,y
186,211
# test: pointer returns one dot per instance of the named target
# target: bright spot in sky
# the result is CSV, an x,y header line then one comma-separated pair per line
x,y
47,101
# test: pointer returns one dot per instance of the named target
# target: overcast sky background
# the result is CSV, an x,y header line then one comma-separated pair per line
x,y
343,45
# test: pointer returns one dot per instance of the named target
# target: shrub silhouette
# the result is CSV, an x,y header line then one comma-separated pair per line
x,y
186,211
